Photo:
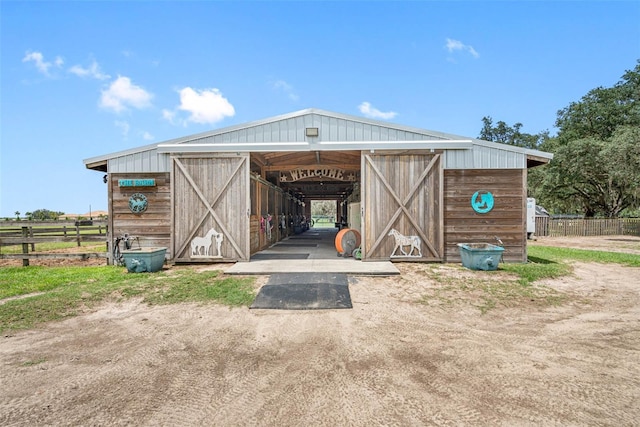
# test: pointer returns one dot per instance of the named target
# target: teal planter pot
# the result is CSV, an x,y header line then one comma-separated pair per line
x,y
139,260
480,256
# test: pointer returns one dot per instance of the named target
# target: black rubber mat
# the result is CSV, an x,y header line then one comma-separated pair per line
x,y
259,256
294,291
305,238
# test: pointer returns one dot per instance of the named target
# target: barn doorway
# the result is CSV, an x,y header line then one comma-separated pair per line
x,y
299,202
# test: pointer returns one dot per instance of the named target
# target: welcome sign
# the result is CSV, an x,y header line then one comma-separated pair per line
x,y
331,173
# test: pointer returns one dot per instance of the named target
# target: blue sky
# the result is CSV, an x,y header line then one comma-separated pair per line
x,y
82,79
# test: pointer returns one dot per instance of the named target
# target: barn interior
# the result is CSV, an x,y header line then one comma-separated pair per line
x,y
303,177
336,173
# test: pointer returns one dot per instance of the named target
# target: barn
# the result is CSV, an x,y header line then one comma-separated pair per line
x,y
229,185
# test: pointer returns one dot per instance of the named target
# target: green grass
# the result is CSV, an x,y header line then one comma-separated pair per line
x,y
61,292
51,246
96,246
516,284
555,254
324,225
486,290
34,362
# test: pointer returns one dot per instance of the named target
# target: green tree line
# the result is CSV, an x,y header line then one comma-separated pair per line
x,y
596,166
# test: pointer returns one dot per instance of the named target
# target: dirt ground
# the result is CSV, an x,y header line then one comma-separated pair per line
x,y
391,360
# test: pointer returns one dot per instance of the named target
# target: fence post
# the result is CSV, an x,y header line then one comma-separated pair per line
x,y
78,233
33,245
25,246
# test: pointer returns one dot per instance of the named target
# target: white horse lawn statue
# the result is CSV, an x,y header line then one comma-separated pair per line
x,y
201,246
413,242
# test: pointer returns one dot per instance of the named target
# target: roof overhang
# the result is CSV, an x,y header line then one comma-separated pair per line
x,y
100,165
538,158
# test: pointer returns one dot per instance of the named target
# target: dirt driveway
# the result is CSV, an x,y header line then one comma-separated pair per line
x,y
391,360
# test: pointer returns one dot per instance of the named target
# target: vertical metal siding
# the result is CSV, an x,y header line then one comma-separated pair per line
x,y
368,134
299,124
480,157
146,161
264,133
383,133
331,129
291,134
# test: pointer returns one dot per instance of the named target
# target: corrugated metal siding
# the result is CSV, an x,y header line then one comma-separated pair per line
x,y
330,129
146,161
484,158
479,157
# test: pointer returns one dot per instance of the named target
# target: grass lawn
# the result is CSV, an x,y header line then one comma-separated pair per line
x,y
53,246
60,292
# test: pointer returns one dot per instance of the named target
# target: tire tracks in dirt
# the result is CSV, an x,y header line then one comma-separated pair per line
x,y
388,361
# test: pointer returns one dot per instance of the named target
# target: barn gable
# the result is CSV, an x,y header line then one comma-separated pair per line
x,y
319,130
331,127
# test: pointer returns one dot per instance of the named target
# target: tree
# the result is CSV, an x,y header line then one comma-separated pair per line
x,y
45,215
596,164
17,214
587,172
624,153
596,167
603,110
324,208
511,135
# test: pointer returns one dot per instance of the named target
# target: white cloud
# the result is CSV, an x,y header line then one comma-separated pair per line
x,y
203,106
147,136
92,71
124,127
169,116
455,45
43,66
369,111
122,94
281,85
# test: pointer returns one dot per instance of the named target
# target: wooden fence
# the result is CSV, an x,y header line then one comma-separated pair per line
x,y
29,234
555,227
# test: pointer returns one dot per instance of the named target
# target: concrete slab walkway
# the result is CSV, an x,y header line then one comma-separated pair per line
x,y
310,252
346,266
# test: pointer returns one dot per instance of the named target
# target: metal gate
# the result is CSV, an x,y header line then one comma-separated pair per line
x,y
210,206
402,206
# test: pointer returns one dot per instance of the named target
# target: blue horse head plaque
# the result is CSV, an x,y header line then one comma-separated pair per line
x,y
482,201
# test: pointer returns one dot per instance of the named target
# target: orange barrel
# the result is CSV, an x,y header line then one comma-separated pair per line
x,y
347,240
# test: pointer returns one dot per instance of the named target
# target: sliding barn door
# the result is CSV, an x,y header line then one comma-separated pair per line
x,y
402,206
210,208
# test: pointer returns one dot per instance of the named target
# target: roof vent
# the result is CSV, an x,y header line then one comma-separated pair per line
x,y
311,131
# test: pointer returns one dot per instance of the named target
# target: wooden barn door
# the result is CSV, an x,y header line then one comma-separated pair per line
x,y
210,208
402,192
